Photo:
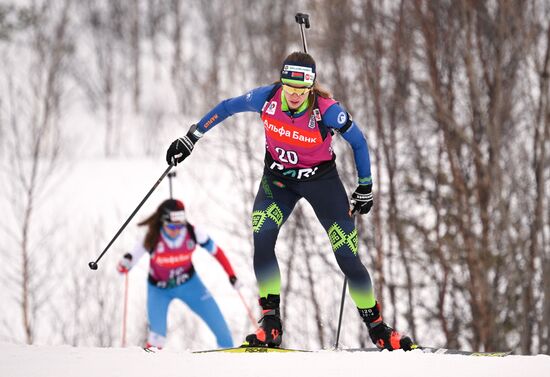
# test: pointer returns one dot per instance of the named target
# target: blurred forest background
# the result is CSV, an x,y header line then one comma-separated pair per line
x,y
453,97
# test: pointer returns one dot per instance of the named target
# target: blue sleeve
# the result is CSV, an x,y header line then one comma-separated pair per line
x,y
336,117
253,101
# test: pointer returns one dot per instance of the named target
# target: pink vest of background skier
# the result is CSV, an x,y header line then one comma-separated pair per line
x,y
172,263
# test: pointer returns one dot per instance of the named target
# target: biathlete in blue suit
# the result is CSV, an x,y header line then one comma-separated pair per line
x,y
299,120
171,240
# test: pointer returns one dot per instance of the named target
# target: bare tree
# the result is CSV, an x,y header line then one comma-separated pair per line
x,y
537,243
135,52
34,146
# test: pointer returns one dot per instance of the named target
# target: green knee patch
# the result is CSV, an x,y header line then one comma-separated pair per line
x,y
339,238
272,212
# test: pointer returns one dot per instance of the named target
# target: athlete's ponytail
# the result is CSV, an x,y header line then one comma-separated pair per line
x,y
153,223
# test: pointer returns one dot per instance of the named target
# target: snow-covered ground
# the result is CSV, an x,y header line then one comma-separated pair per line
x,y
48,361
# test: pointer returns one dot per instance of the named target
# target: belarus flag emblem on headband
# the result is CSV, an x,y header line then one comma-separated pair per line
x,y
298,73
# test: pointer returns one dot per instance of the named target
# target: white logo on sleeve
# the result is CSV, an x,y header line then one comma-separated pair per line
x,y
342,118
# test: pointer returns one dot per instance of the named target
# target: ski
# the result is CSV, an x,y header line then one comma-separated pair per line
x,y
432,350
446,351
253,349
437,350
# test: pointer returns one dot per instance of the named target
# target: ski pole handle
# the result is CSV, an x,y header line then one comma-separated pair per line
x,y
303,19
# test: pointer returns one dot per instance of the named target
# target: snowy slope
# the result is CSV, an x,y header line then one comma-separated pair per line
x,y
46,361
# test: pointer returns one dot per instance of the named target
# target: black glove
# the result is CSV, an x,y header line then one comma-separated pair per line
x,y
361,199
181,148
234,282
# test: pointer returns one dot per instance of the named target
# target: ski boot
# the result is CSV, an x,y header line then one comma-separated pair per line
x,y
151,348
155,342
382,335
270,332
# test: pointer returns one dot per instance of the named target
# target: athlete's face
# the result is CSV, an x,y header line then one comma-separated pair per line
x,y
173,229
295,95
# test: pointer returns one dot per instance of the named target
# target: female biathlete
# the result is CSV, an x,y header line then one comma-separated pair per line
x,y
299,119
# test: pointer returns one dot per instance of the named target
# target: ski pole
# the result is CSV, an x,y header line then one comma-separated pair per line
x,y
342,300
303,20
125,311
170,176
248,311
341,312
93,264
